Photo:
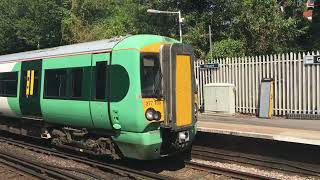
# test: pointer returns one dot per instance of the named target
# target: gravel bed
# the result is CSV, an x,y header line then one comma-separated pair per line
x,y
188,173
267,173
12,174
183,173
55,161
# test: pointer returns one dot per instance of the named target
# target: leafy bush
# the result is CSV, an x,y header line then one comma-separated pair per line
x,y
228,48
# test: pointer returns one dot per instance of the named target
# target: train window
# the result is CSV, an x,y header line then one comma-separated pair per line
x,y
150,75
77,75
8,84
55,83
101,80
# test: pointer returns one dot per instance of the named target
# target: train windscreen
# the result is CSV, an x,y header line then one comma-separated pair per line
x,y
150,76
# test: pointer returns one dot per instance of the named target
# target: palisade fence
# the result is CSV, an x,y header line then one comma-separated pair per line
x,y
297,86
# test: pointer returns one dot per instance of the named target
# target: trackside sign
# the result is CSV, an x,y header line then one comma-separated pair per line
x,y
310,59
209,66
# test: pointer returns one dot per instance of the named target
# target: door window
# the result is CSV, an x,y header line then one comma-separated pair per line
x,y
101,80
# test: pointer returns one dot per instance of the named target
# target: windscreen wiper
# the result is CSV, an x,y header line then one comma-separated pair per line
x,y
157,85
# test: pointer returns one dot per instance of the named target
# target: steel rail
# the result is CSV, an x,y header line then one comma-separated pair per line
x,y
34,168
227,172
205,153
112,168
23,169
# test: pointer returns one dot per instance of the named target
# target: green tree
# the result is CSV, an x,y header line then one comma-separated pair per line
x,y
238,27
315,26
198,14
228,48
266,29
89,20
27,25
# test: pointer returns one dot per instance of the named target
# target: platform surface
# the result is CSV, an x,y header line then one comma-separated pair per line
x,y
288,130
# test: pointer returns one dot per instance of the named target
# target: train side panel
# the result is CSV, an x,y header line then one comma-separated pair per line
x,y
128,108
61,103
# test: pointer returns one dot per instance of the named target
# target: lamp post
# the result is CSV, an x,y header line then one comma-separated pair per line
x,y
154,11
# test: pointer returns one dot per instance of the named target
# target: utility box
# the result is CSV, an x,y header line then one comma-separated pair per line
x,y
266,98
219,98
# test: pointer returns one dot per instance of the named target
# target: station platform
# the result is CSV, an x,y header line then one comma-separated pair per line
x,y
279,129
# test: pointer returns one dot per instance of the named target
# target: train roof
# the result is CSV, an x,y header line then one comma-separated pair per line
x,y
125,42
81,48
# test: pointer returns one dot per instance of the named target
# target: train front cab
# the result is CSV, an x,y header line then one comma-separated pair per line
x,y
179,91
168,95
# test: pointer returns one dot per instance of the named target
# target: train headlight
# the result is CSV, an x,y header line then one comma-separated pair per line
x,y
150,114
157,116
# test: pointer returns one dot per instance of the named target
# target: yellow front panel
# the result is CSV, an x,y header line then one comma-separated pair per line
x,y
183,90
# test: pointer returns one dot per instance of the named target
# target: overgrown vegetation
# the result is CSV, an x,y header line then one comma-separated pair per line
x,y
245,27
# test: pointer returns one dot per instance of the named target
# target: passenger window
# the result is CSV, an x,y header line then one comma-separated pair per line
x,y
101,80
76,75
8,84
55,83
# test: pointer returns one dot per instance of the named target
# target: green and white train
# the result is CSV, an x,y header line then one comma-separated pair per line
x,y
131,97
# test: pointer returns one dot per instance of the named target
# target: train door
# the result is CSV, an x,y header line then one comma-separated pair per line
x,y
177,62
30,84
99,91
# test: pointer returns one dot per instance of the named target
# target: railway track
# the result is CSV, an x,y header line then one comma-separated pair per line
x,y
133,173
212,154
125,171
9,172
36,169
105,167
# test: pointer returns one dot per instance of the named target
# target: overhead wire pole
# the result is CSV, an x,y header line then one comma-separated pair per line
x,y
180,26
154,11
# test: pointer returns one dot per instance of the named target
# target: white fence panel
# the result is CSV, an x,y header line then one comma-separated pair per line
x,y
296,90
